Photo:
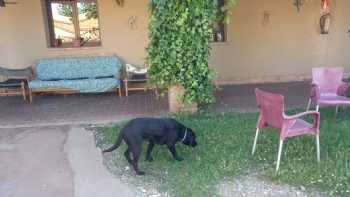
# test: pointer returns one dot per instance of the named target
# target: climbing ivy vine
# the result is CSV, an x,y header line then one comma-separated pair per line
x,y
179,47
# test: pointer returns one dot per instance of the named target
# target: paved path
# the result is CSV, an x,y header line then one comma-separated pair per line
x,y
48,110
54,161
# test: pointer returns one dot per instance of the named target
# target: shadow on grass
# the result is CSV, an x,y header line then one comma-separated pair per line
x,y
223,151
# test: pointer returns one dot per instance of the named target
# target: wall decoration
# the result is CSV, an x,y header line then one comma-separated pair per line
x,y
3,3
298,4
120,2
325,19
265,18
132,22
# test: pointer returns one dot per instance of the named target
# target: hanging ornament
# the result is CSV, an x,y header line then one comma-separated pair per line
x,y
325,19
324,6
4,3
298,4
120,2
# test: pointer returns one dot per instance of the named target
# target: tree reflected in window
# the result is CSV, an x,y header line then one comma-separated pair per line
x,y
73,23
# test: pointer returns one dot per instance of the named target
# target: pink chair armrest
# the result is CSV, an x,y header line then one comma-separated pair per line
x,y
343,88
316,116
315,92
299,115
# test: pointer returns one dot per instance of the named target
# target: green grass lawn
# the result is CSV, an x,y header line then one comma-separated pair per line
x,y
224,146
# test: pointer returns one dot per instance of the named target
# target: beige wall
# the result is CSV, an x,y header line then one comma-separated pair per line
x,y
4,37
28,39
287,47
284,49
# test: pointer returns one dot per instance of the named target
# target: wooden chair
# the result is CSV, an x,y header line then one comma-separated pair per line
x,y
135,79
14,81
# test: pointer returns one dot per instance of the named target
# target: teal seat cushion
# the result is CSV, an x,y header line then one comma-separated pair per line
x,y
78,67
81,85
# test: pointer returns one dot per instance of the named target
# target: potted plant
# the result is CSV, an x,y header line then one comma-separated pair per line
x,y
57,42
78,42
179,50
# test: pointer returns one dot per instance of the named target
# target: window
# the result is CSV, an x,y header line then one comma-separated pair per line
x,y
219,28
72,23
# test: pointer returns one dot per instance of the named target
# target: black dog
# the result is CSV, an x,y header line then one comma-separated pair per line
x,y
157,131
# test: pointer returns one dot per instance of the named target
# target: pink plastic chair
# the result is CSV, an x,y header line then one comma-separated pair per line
x,y
272,114
327,88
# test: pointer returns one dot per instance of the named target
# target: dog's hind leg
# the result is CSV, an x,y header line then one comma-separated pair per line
x,y
136,151
149,151
127,155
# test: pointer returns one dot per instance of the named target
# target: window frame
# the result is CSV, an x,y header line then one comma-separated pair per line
x,y
223,28
75,16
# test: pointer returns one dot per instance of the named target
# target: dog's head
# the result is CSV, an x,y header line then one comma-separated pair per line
x,y
190,139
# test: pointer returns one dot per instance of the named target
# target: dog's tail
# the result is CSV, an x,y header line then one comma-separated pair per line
x,y
116,144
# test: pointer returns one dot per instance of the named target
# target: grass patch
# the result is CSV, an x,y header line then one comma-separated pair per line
x,y
223,151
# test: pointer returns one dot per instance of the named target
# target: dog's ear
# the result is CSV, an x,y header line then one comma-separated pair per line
x,y
192,132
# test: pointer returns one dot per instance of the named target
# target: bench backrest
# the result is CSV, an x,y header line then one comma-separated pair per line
x,y
78,67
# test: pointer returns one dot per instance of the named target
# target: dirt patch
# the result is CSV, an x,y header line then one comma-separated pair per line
x,y
253,185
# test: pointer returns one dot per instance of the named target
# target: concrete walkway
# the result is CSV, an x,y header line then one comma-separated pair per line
x,y
54,161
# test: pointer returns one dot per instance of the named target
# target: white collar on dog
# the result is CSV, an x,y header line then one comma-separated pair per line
x,y
183,139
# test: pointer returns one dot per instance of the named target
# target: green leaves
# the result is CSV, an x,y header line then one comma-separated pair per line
x,y
179,49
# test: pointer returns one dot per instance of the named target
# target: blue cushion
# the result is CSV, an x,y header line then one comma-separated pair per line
x,y
78,67
83,85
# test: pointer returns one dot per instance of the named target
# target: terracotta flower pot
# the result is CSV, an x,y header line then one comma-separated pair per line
x,y
176,104
76,43
57,42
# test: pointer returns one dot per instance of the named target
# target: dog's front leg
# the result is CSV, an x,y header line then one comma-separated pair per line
x,y
172,149
149,151
136,154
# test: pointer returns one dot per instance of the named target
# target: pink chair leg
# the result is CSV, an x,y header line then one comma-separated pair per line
x,y
318,147
308,105
336,109
255,140
279,155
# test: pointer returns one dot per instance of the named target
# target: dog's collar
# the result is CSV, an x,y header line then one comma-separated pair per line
x,y
183,139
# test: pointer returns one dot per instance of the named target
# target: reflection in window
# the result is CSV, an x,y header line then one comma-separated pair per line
x,y
73,23
219,29
88,20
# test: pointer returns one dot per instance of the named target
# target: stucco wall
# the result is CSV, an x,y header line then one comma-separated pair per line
x,y
285,48
28,38
4,38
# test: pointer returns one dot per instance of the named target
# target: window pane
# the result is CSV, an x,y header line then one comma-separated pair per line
x,y
88,22
219,34
62,14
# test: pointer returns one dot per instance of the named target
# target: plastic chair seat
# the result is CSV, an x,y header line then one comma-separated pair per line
x,y
300,127
333,99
